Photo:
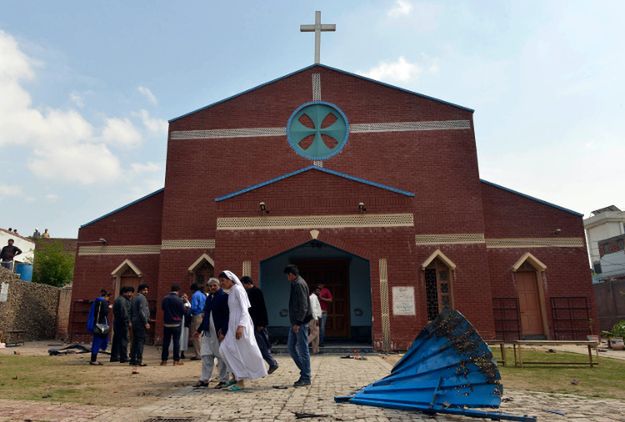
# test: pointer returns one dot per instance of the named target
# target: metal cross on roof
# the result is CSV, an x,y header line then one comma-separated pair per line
x,y
317,28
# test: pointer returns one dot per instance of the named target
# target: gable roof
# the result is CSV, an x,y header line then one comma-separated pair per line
x,y
531,198
136,201
344,72
314,168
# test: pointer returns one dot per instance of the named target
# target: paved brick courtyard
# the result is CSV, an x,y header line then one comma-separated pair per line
x,y
264,402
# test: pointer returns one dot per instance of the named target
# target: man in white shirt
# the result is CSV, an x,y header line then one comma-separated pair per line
x,y
313,338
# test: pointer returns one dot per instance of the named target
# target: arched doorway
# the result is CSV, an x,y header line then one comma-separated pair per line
x,y
528,275
127,274
439,273
345,274
201,270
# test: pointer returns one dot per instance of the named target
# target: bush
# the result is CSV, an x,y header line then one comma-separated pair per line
x,y
618,330
53,265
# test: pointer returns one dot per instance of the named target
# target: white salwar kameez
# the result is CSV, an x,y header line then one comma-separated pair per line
x,y
209,349
242,356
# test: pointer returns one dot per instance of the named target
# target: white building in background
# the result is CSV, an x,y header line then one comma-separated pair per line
x,y
25,244
604,223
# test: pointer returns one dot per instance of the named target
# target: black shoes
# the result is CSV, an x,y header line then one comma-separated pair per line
x,y
201,384
301,383
272,369
221,385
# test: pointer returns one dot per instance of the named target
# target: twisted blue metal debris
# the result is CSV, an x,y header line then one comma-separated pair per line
x,y
448,369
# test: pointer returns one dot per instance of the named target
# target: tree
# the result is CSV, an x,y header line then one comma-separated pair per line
x,y
53,265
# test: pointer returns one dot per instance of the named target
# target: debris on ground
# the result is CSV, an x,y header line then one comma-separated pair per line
x,y
305,415
555,412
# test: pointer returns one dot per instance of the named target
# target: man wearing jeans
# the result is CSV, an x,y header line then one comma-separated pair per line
x,y
173,311
299,315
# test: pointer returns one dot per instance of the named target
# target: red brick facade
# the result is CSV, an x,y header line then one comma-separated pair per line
x,y
438,166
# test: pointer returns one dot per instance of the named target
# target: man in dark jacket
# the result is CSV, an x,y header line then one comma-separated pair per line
x,y
8,253
121,323
211,332
173,311
140,323
299,315
258,312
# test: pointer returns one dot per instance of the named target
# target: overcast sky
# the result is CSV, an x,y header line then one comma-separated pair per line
x,y
86,88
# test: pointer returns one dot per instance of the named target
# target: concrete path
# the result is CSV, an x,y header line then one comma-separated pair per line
x,y
269,400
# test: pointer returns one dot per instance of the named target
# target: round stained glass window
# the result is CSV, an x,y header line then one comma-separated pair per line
x,y
317,130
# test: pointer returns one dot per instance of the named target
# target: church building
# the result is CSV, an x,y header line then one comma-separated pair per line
x,y
368,188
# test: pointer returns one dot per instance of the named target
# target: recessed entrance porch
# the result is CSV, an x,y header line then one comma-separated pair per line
x,y
345,274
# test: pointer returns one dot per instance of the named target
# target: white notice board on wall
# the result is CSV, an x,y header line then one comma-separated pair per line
x,y
403,300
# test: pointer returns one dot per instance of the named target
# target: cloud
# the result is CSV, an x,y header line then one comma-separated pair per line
x,y
148,167
121,132
52,197
84,164
147,94
400,70
7,190
63,144
77,99
154,125
400,8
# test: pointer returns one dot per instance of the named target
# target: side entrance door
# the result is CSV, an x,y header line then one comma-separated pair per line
x,y
334,273
529,304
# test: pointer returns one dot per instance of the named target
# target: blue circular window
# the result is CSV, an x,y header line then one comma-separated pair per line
x,y
317,130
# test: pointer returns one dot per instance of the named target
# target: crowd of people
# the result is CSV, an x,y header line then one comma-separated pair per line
x,y
227,323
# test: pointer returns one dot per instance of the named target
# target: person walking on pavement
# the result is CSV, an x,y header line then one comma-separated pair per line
x,y
300,315
258,312
173,313
313,338
121,324
140,324
212,332
325,299
198,300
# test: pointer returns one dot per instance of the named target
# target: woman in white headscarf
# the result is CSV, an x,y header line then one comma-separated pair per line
x,y
239,348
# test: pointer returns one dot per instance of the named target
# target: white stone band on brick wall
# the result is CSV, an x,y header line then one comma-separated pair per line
x,y
354,128
409,126
315,222
449,239
316,86
535,242
120,250
228,133
188,244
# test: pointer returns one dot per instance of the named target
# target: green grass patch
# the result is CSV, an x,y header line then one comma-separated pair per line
x,y
607,380
44,378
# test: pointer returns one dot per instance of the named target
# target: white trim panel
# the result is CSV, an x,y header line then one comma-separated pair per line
x,y
449,239
120,250
315,222
535,242
354,128
188,244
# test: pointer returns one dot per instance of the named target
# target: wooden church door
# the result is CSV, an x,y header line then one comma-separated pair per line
x,y
334,273
529,304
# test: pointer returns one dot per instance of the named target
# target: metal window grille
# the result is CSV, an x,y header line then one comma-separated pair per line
x,y
431,293
571,318
507,318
